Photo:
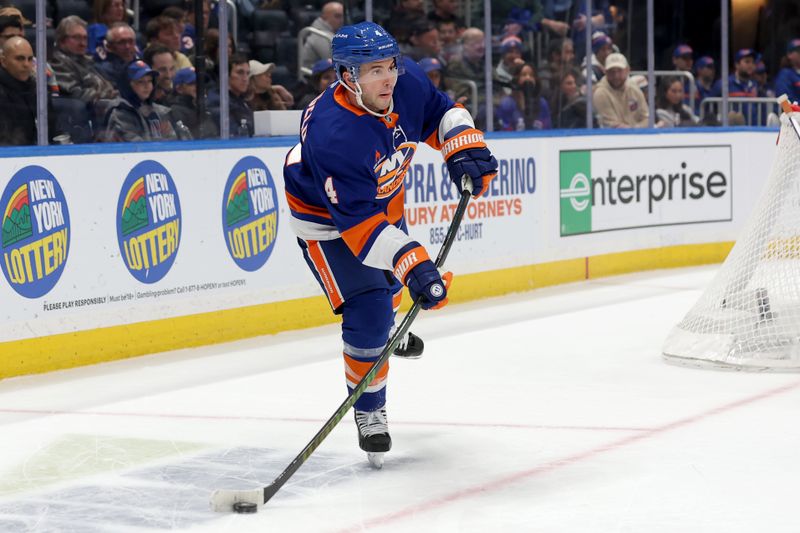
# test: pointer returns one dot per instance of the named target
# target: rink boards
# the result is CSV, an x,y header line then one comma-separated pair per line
x,y
112,251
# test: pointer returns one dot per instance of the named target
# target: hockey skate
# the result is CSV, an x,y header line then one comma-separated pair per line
x,y
373,435
409,347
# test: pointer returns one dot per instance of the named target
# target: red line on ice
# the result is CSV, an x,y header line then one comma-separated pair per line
x,y
569,460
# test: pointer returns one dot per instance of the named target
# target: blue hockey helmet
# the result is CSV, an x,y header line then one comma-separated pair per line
x,y
365,42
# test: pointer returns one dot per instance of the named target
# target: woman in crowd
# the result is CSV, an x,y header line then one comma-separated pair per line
x,y
568,104
670,109
524,108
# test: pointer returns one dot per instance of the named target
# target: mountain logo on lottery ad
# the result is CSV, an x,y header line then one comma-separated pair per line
x,y
35,231
149,221
626,188
250,214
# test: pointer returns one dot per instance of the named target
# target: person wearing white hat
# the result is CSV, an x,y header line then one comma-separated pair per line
x,y
618,101
262,94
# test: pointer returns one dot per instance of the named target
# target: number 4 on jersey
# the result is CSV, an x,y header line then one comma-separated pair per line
x,y
330,190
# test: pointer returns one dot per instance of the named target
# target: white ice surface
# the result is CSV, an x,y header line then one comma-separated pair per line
x,y
546,411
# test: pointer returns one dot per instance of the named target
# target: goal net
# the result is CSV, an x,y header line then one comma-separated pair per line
x,y
749,317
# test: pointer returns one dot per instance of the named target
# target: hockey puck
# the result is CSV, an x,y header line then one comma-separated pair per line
x,y
245,507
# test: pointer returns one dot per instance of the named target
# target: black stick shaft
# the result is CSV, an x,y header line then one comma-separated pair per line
x,y
283,477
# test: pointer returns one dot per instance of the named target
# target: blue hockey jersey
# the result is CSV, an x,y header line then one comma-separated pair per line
x,y
346,176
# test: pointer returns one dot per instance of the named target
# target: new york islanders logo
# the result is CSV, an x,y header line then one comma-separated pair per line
x,y
148,221
35,231
250,214
391,170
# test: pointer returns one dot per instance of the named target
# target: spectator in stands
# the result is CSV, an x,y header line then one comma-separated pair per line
x,y
524,108
179,16
741,84
105,13
567,103
212,55
560,59
77,75
189,32
518,21
262,94
134,117
11,11
567,18
240,112
671,111
317,47
470,67
433,69
760,76
403,16
446,11
683,60
618,101
510,59
10,26
788,80
322,75
18,94
120,51
167,31
423,41
162,60
448,36
704,80
602,46
184,106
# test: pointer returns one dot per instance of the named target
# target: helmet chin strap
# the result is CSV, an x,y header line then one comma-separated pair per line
x,y
358,92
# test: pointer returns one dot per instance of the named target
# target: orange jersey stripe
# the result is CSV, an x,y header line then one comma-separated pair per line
x,y
396,208
397,299
325,274
296,204
358,369
357,236
433,140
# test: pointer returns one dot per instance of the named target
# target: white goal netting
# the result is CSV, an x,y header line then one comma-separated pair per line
x,y
749,317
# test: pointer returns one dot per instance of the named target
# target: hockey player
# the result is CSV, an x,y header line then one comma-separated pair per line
x,y
344,185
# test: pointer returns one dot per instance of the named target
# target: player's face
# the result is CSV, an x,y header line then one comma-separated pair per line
x,y
377,80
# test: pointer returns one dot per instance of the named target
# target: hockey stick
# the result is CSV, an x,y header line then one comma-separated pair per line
x,y
223,500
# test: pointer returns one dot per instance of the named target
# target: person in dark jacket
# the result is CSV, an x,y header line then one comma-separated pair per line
x,y
18,95
184,107
120,50
240,112
134,117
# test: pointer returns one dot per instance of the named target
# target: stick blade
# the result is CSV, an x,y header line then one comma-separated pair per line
x,y
222,500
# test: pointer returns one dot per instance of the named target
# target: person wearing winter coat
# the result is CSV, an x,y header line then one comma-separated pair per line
x,y
134,117
18,95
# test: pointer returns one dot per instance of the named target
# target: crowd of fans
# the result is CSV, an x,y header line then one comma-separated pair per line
x,y
107,82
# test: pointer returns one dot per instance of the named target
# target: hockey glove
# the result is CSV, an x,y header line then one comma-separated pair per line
x,y
465,153
415,270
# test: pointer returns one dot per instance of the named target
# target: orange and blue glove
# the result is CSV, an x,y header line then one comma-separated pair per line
x,y
466,154
415,270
